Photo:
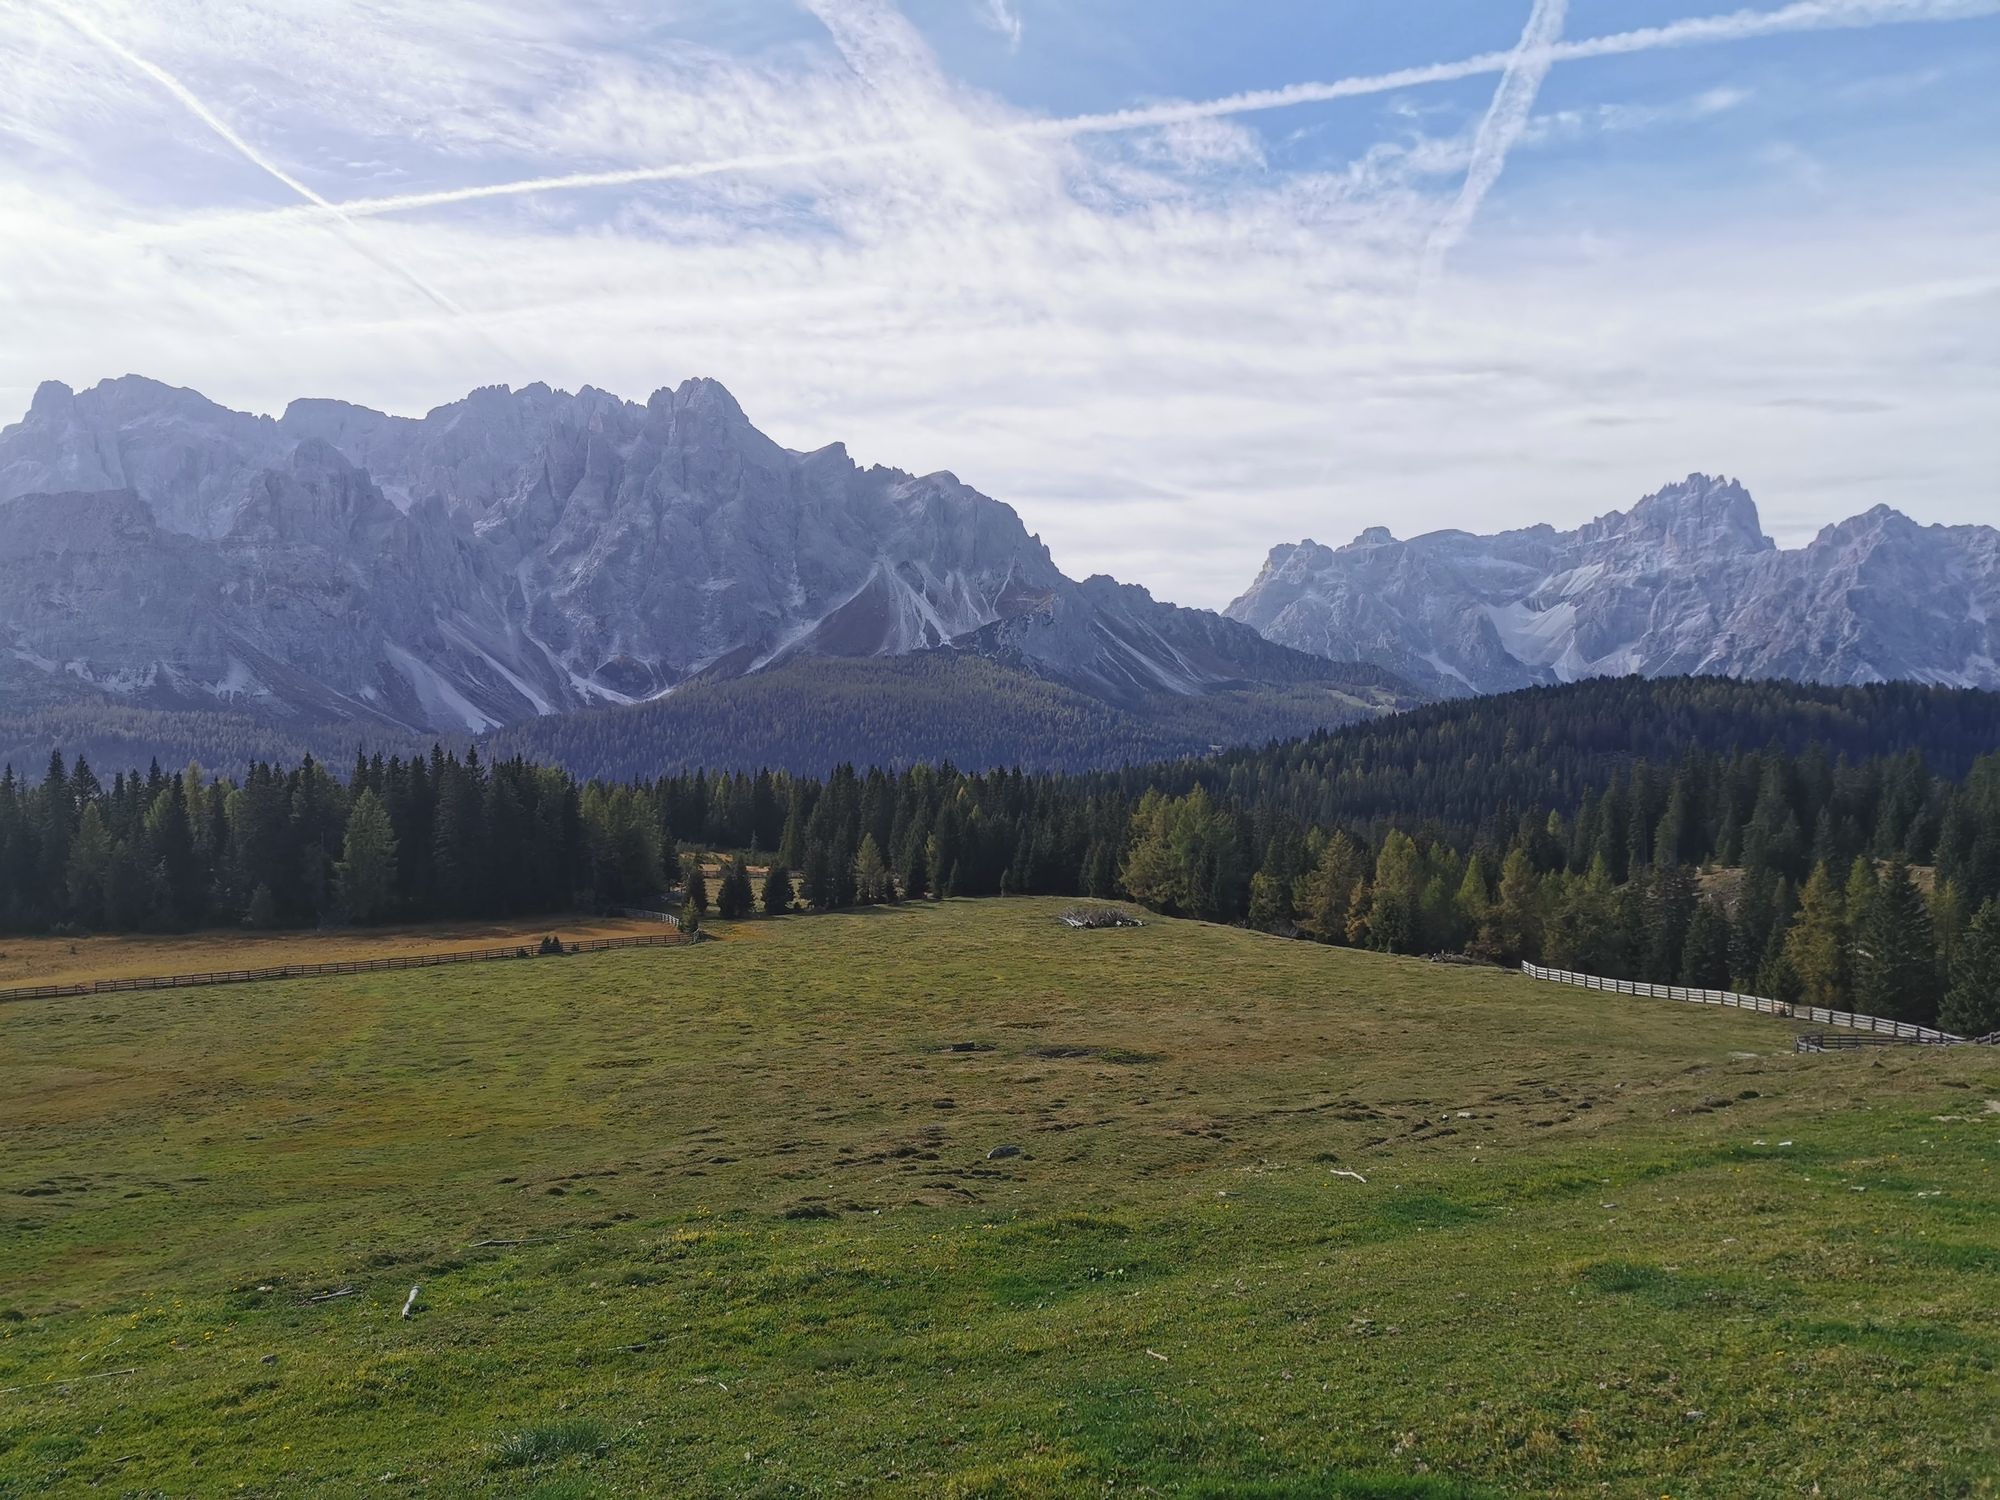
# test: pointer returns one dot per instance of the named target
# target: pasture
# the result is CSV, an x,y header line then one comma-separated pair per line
x,y
952,1200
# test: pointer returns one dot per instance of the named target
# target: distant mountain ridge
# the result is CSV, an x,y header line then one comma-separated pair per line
x,y
1684,582
522,554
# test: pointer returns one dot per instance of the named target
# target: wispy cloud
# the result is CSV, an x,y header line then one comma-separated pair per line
x,y
1506,118
188,100
865,38
1002,16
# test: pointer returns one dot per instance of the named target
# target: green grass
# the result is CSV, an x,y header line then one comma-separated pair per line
x,y
724,1221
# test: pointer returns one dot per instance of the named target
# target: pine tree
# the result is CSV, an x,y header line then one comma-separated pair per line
x,y
89,864
1971,1006
1896,960
916,873
1671,898
182,893
262,912
366,874
733,897
791,841
1705,953
871,873
1757,914
777,895
816,880
694,886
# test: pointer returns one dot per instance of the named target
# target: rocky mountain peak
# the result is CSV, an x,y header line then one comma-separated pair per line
x,y
52,400
1683,582
524,552
1701,514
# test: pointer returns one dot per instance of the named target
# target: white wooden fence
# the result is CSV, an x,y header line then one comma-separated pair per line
x,y
1818,1014
641,914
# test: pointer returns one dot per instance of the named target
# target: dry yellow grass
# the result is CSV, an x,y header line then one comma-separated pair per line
x,y
45,960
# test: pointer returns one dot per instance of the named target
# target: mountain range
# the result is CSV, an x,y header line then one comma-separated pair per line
x,y
1685,582
522,555
633,584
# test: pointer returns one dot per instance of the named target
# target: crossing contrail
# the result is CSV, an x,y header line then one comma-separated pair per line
x,y
1742,25
192,103
1506,118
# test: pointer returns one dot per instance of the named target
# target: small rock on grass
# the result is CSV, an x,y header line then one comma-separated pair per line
x,y
1001,1153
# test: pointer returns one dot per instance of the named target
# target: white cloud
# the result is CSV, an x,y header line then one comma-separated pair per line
x,y
1003,17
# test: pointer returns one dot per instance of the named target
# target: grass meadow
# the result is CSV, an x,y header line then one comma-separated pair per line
x,y
954,1201
73,960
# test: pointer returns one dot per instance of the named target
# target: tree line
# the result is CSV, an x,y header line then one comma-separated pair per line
x,y
1866,882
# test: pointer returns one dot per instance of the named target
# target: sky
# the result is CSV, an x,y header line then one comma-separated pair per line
x,y
1178,279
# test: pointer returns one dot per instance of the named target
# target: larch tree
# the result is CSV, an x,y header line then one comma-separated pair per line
x,y
366,873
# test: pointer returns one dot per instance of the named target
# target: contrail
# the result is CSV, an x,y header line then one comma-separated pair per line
x,y
1744,25
189,101
1506,118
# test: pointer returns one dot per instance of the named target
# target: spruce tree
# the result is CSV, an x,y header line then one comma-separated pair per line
x,y
1896,960
1971,1006
817,877
694,886
734,897
777,895
1671,898
1705,954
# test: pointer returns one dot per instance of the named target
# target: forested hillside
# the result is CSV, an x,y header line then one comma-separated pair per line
x,y
938,706
1841,846
117,734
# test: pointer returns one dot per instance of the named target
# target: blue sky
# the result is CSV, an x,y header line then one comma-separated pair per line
x,y
1179,279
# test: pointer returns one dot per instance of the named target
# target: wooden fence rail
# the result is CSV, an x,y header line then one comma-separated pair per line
x,y
641,914
1902,1031
525,949
1820,1041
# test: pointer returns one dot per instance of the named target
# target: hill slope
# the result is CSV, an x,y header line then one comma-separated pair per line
x,y
810,715
744,1199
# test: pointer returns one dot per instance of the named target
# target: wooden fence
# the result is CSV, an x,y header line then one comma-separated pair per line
x,y
641,914
1902,1031
1820,1041
527,949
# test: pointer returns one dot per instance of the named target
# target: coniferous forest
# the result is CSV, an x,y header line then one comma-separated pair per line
x,y
1840,846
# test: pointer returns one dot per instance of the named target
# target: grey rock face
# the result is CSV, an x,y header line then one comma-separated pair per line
x,y
1685,581
519,553
1115,642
